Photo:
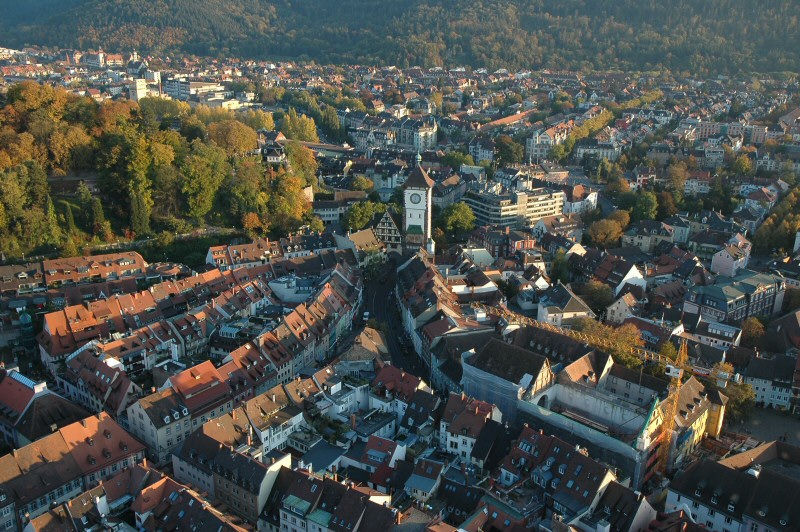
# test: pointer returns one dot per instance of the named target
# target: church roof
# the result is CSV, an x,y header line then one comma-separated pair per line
x,y
419,178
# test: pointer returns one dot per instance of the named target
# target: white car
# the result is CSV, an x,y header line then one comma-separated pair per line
x,y
366,316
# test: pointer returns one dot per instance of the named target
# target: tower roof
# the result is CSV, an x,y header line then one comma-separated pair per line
x,y
419,178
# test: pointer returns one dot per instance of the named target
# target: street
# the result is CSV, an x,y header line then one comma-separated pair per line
x,y
380,302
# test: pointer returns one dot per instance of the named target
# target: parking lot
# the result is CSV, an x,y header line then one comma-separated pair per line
x,y
768,425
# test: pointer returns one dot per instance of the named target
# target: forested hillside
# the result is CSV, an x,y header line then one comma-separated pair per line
x,y
161,168
696,36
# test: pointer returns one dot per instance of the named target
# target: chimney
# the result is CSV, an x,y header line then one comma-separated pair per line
x,y
353,421
463,468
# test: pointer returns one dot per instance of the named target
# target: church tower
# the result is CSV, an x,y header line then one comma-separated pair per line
x,y
418,203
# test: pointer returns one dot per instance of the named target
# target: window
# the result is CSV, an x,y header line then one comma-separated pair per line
x,y
728,520
695,504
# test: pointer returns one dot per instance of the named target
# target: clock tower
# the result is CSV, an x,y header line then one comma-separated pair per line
x,y
418,197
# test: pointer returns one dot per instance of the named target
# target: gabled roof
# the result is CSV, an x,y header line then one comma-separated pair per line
x,y
509,362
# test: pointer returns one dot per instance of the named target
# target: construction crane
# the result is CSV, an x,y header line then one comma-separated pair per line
x,y
668,424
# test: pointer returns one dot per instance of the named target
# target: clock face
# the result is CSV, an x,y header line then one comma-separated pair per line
x,y
415,198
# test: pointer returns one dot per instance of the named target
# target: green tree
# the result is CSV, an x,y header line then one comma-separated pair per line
x,y
509,151
202,173
457,218
98,216
559,271
53,235
139,186
69,220
360,214
455,159
598,296
299,127
316,225
69,248
646,207
258,120
741,401
302,162
742,165
668,351
84,196
362,183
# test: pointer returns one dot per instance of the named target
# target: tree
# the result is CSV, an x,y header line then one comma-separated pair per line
x,y
299,127
605,233
98,217
646,207
139,185
53,231
233,136
455,159
616,186
598,296
668,351
741,401
742,165
202,173
666,205
457,218
302,162
315,224
618,342
362,183
70,221
623,218
360,214
559,271
509,151
677,173
258,120
69,249
753,332
251,223
84,196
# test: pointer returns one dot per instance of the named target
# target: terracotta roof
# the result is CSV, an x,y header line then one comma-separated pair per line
x,y
418,178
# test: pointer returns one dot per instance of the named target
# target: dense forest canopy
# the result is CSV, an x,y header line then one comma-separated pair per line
x,y
697,36
161,168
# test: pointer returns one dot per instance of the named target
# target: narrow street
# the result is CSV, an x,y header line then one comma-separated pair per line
x,y
379,301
